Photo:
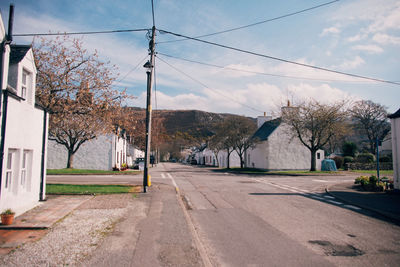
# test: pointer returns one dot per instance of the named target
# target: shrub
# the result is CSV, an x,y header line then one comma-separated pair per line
x,y
365,158
8,212
348,159
373,180
362,180
349,149
380,187
339,161
385,159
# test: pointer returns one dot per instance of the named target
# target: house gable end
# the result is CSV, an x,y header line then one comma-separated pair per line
x,y
395,115
267,129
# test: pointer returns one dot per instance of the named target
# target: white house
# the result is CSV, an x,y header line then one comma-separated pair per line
x,y
277,150
23,130
395,122
133,153
106,152
207,157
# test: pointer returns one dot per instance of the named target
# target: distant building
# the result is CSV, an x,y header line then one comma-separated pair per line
x,y
395,122
23,130
106,152
277,150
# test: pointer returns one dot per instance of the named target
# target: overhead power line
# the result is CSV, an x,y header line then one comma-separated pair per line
x,y
254,72
202,84
256,23
79,33
279,59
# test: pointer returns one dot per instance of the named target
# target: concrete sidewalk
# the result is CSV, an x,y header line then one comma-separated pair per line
x,y
33,224
385,204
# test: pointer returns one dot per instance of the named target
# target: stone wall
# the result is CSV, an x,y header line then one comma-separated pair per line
x,y
369,166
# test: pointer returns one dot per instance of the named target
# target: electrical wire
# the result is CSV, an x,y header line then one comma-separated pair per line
x,y
132,70
78,33
256,23
255,72
202,84
279,59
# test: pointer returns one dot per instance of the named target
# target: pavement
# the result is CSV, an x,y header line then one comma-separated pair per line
x,y
386,204
35,223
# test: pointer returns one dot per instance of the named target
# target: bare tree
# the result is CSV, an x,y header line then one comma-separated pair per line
x,y
76,88
371,119
315,124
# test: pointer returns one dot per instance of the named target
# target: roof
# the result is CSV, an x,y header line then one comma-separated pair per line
x,y
267,129
18,52
395,115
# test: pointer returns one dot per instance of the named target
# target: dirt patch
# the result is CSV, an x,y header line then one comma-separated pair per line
x,y
112,201
336,249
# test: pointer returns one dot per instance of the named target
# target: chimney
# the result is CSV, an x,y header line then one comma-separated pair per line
x,y
262,119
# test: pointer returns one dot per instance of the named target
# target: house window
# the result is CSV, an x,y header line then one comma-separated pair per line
x,y
318,156
117,157
9,170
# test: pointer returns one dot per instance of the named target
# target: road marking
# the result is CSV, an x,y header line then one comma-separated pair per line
x,y
321,181
173,182
329,197
335,202
352,207
162,175
169,175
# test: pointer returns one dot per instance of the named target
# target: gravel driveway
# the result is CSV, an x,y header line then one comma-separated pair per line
x,y
73,239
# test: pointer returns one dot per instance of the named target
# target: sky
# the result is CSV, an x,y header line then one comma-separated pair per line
x,y
360,37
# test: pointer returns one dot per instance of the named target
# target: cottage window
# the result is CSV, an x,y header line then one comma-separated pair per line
x,y
26,85
9,170
318,156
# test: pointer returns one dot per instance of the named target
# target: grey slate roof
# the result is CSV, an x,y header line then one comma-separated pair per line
x,y
18,52
267,129
395,115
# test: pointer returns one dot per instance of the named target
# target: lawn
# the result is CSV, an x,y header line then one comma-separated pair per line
x,y
89,172
89,189
373,172
259,171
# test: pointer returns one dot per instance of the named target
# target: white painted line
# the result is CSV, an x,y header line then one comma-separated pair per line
x,y
162,175
321,181
320,198
169,175
335,202
329,197
352,207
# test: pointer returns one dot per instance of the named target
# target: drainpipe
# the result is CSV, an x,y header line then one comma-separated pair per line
x,y
42,170
3,132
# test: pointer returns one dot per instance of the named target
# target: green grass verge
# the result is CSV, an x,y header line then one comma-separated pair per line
x,y
89,189
260,171
89,172
373,172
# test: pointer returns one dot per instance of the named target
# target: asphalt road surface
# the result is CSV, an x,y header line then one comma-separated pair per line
x,y
245,220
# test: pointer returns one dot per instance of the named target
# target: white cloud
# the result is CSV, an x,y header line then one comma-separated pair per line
x,y
331,30
386,39
351,64
372,49
357,37
323,93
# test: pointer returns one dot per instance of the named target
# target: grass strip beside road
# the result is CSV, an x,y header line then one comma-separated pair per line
x,y
373,172
89,189
69,171
264,172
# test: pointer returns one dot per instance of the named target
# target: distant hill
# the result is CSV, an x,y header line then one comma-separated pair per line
x,y
187,120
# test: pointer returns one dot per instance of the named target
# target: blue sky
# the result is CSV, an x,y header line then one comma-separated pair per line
x,y
355,36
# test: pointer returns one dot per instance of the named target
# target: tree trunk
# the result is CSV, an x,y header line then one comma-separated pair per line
x,y
227,163
313,160
70,159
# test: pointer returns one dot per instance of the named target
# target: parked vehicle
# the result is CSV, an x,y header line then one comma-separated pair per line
x,y
138,161
193,162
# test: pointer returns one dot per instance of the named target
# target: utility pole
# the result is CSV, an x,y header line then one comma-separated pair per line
x,y
150,67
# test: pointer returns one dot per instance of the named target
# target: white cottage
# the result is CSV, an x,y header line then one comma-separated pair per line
x,y
106,152
23,130
277,150
395,122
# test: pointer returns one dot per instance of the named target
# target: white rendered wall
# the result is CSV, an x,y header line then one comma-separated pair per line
x,y
21,120
280,152
95,154
118,151
396,151
234,160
